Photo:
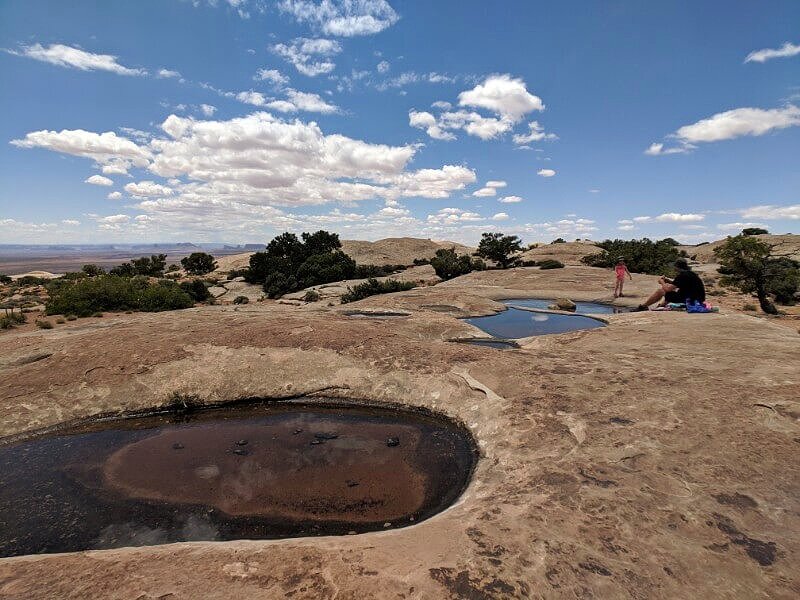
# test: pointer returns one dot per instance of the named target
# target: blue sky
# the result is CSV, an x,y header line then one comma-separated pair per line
x,y
234,120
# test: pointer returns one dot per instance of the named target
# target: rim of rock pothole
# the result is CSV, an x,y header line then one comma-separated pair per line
x,y
242,470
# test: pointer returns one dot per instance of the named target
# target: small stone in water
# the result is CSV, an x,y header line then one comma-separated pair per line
x,y
241,443
316,442
351,483
392,442
326,436
296,431
387,524
240,452
177,446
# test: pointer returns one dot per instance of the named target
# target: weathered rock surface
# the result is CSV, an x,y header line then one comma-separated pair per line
x,y
652,458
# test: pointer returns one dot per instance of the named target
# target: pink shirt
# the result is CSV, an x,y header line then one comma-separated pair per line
x,y
620,271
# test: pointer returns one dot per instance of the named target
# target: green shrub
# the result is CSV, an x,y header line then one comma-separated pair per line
x,y
172,268
559,241
10,319
311,296
373,287
746,264
198,263
234,273
31,280
241,300
152,266
90,296
754,231
367,271
641,256
165,295
289,264
5,279
44,324
196,289
92,270
73,275
448,264
499,248
550,263
783,279
418,262
99,315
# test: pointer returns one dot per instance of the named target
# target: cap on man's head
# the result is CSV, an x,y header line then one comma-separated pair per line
x,y
682,264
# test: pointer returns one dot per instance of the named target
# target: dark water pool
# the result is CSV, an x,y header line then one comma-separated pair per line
x,y
514,323
583,308
250,472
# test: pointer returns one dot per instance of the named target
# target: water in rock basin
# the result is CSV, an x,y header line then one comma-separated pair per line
x,y
249,472
583,308
514,323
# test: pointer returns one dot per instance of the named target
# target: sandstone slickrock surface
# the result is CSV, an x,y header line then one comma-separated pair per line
x,y
652,458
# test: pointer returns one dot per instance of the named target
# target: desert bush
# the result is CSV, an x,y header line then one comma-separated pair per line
x,y
550,263
289,264
448,264
641,256
499,248
418,262
172,268
11,318
311,296
152,266
92,270
745,264
5,279
164,295
749,307
754,231
373,287
234,273
31,280
198,263
241,300
527,263
196,289
90,296
783,279
44,324
559,241
367,271
73,275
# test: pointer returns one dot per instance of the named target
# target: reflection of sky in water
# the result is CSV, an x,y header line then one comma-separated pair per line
x,y
581,308
514,323
58,492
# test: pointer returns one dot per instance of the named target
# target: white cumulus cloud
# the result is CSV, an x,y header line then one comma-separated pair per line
x,y
545,172
729,125
510,199
114,196
75,58
99,180
310,56
786,51
344,18
145,189
503,95
770,212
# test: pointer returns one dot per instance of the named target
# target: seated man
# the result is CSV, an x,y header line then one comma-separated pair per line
x,y
686,285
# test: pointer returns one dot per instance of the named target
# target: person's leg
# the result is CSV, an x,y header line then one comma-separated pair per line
x,y
621,285
616,289
654,297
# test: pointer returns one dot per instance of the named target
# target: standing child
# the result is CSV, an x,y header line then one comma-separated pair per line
x,y
621,269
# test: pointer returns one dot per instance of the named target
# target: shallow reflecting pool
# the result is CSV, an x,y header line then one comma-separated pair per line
x,y
258,471
584,308
514,323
